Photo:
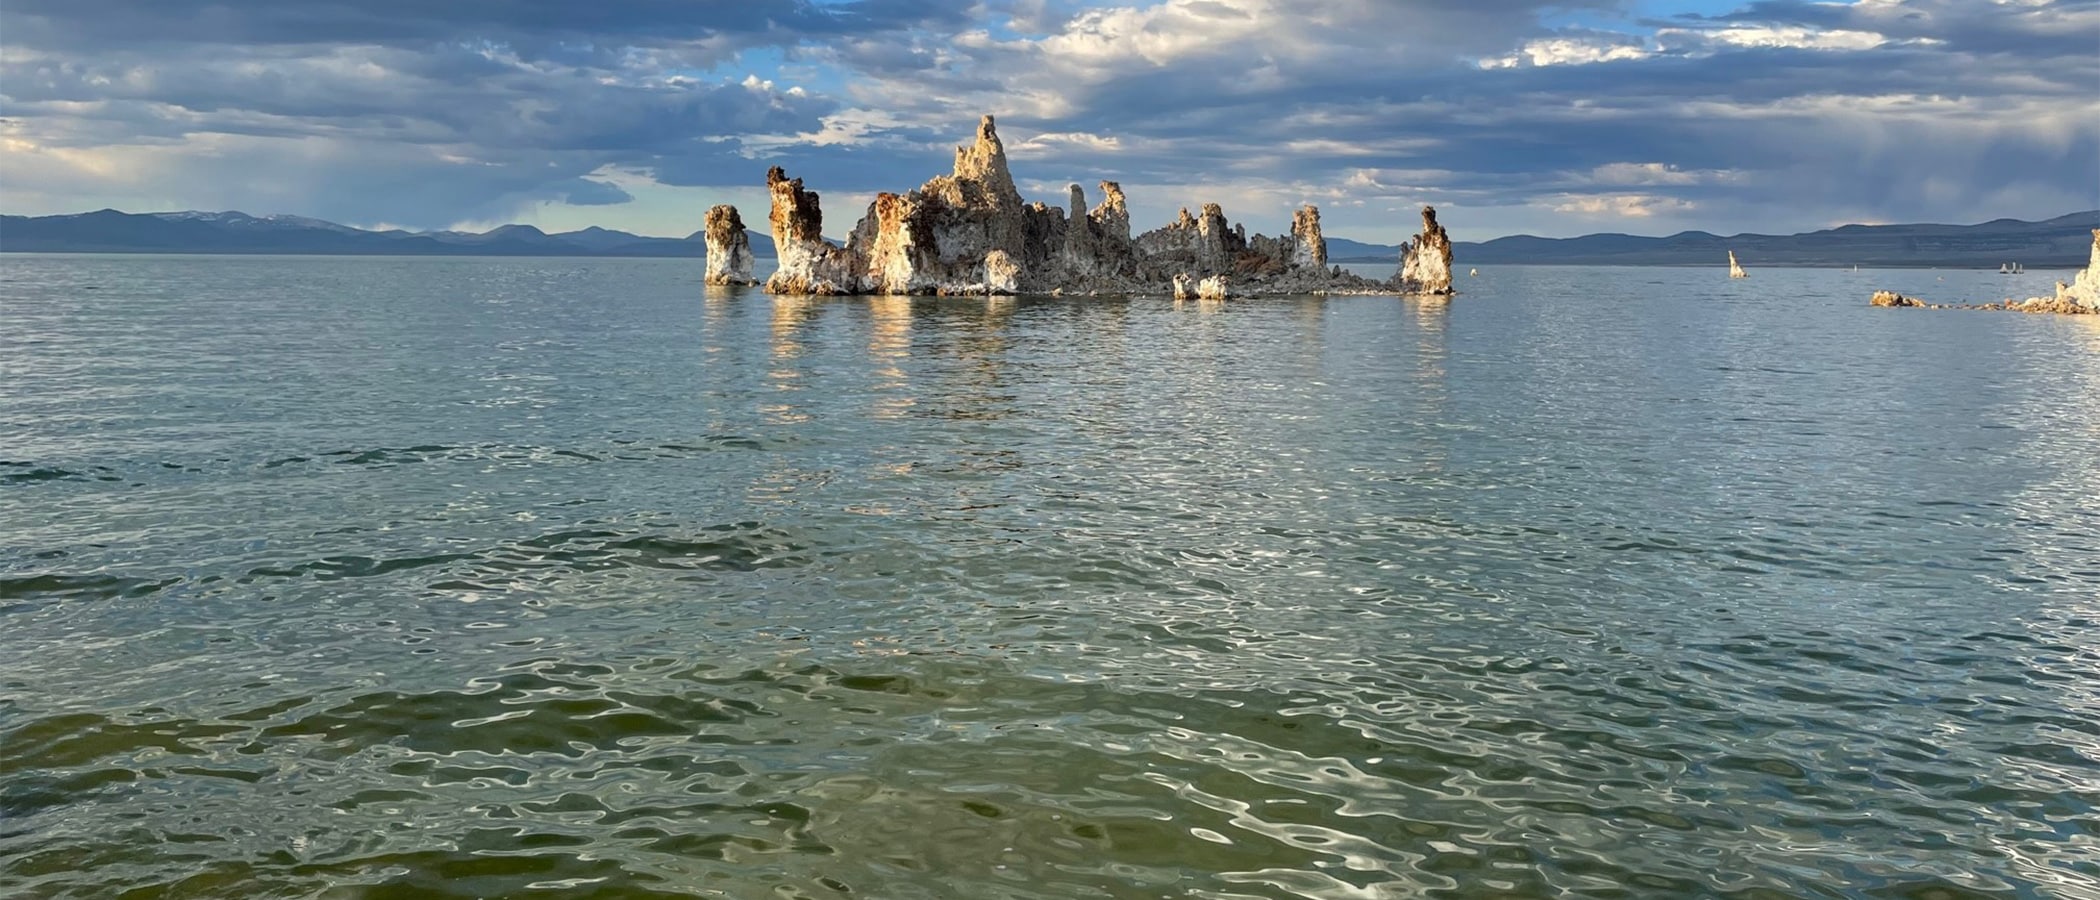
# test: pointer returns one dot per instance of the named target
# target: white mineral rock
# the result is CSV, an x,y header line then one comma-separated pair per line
x,y
729,258
1425,262
1001,274
808,264
2082,295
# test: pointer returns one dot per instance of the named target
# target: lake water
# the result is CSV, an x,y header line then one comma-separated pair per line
x,y
574,578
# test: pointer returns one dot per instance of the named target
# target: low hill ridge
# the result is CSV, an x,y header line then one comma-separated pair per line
x,y
2057,242
193,231
2060,242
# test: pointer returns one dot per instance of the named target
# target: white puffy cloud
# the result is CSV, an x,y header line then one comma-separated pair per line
x,y
1619,206
1655,173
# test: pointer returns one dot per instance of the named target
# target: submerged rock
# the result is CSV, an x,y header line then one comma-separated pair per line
x,y
729,259
970,232
1425,262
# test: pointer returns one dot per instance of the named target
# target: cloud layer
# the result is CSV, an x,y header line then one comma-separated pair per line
x,y
1514,115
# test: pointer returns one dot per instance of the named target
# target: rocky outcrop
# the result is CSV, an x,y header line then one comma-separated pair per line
x,y
2080,297
808,263
1203,244
1308,247
970,232
1111,219
940,238
1097,245
1425,262
729,259
1891,298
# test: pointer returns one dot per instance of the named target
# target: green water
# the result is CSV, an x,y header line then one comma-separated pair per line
x,y
552,578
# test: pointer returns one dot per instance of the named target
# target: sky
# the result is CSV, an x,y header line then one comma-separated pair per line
x,y
1510,116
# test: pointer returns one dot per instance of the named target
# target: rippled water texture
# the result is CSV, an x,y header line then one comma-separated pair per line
x,y
523,578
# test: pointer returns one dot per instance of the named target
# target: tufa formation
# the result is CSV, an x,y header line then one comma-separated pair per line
x,y
1425,262
2080,297
969,232
728,248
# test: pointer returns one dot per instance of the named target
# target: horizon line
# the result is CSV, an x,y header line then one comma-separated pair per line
x,y
696,234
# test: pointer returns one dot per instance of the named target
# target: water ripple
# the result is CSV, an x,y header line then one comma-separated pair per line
x,y
646,589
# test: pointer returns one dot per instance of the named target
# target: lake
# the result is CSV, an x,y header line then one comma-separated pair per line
x,y
375,578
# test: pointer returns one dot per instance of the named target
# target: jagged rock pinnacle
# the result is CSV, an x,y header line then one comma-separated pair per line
x,y
970,232
1425,262
728,247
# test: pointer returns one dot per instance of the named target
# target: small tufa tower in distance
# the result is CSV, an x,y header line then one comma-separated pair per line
x,y
1735,270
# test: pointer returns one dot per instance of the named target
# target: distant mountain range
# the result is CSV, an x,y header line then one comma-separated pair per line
x,y
2060,242
110,231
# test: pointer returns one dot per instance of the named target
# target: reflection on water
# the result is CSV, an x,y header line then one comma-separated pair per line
x,y
889,347
481,578
790,315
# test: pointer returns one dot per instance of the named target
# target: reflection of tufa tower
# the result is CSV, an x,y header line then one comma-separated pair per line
x,y
1734,270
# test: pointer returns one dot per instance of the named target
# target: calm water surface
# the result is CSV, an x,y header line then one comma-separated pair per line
x,y
549,578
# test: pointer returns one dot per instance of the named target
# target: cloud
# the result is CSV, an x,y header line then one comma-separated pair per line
x,y
1769,116
1587,48
554,30
469,116
1655,173
587,192
1045,142
1579,50
1621,206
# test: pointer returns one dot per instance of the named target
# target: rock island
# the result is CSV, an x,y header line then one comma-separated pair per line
x,y
969,232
